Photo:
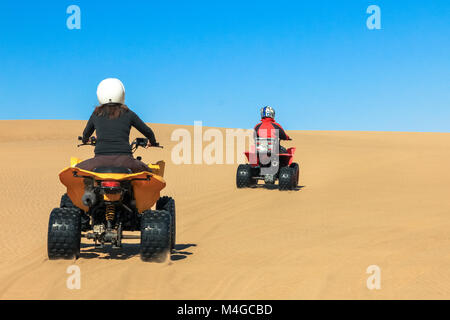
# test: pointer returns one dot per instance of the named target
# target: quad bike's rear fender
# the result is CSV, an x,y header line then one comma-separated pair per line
x,y
157,168
146,191
252,156
289,155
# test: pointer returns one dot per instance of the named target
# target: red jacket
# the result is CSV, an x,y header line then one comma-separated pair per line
x,y
266,129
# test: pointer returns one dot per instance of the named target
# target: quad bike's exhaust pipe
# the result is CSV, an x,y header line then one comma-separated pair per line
x,y
89,199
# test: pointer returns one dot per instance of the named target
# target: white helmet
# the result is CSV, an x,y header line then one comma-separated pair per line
x,y
111,90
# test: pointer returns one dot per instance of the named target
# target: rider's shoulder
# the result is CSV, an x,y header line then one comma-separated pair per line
x,y
277,124
258,124
130,113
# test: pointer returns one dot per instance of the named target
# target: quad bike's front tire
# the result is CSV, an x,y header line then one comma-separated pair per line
x,y
64,234
155,235
244,177
286,179
168,204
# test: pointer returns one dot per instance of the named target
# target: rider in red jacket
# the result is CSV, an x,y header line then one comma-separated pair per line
x,y
268,128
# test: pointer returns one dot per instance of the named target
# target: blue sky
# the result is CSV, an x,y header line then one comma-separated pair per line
x,y
316,62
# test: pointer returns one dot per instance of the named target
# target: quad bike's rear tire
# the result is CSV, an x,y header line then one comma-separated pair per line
x,y
168,204
66,202
286,178
155,235
64,234
244,177
296,169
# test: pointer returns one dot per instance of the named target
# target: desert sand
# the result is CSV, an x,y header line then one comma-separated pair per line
x,y
367,198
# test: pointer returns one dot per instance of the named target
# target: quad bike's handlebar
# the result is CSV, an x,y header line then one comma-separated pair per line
x,y
91,142
143,143
138,142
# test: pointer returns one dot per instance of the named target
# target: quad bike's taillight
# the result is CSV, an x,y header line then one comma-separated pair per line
x,y
110,184
111,190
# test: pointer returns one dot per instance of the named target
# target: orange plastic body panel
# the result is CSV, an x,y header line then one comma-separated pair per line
x,y
146,192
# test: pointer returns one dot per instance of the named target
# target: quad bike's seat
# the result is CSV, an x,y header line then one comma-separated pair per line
x,y
113,170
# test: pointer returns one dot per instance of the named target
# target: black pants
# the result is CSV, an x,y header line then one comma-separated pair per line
x,y
123,160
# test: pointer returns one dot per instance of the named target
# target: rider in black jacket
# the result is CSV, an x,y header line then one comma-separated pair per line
x,y
112,121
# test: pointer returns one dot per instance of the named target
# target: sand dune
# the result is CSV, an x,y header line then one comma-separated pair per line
x,y
368,198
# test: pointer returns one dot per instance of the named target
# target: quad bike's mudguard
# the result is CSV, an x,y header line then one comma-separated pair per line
x,y
286,159
146,185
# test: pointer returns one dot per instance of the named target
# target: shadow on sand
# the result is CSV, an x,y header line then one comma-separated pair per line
x,y
128,250
274,187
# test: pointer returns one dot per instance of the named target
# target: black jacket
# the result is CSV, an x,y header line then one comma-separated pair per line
x,y
113,135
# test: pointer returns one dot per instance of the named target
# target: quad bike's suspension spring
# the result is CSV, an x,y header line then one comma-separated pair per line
x,y
110,212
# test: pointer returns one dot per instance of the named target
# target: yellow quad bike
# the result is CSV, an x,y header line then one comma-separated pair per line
x,y
102,204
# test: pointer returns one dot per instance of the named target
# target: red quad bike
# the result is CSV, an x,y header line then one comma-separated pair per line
x,y
265,164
